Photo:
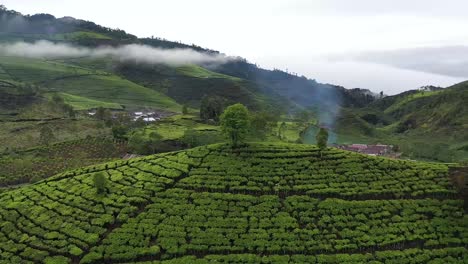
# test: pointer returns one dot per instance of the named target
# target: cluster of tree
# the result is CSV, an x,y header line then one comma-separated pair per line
x,y
263,123
236,121
211,108
144,144
121,123
194,138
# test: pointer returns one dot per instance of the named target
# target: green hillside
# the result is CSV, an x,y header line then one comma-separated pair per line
x,y
83,103
190,83
437,111
430,125
265,203
98,88
34,164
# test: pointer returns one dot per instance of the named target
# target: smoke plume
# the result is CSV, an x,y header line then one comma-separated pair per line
x,y
132,52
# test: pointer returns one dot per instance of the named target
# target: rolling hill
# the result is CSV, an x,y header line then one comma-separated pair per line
x,y
238,81
428,125
262,203
89,84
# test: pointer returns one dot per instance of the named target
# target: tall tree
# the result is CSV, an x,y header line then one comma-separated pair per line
x,y
119,132
262,123
100,182
184,109
282,130
322,138
103,114
235,123
154,140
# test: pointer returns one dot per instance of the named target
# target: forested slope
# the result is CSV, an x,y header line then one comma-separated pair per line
x,y
269,203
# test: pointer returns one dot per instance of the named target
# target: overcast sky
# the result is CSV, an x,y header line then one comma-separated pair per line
x,y
380,45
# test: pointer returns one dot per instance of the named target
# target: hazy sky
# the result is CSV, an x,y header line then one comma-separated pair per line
x,y
380,45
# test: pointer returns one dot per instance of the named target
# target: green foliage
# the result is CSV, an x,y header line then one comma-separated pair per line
x,y
38,163
153,140
262,124
262,203
282,130
84,103
56,260
190,138
235,123
46,135
144,144
195,138
322,138
304,116
100,183
120,131
103,114
211,107
184,109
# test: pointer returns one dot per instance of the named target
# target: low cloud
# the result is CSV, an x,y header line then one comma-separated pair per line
x,y
373,76
133,52
447,60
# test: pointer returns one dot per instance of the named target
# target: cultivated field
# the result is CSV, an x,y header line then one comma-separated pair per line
x,y
270,203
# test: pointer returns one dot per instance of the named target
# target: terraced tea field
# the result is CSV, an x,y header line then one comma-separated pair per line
x,y
264,203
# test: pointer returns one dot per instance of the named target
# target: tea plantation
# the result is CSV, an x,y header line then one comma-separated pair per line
x,y
262,203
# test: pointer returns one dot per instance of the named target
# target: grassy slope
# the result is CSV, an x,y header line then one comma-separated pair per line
x,y
83,103
41,162
174,127
22,135
90,83
425,125
188,84
278,202
115,90
200,72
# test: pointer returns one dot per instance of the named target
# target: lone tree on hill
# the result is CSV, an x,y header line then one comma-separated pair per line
x,y
282,130
100,182
322,138
235,123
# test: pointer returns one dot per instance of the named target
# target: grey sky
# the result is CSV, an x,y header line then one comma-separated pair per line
x,y
381,45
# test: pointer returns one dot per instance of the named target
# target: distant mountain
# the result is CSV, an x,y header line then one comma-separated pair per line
x,y
434,117
429,123
239,81
429,108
